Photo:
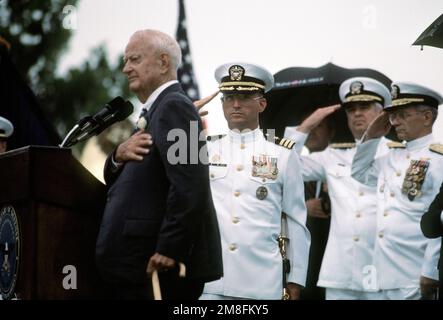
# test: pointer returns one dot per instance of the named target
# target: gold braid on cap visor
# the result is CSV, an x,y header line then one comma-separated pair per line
x,y
363,97
241,83
403,101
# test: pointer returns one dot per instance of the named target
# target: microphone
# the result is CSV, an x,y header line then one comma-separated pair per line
x,y
99,119
116,110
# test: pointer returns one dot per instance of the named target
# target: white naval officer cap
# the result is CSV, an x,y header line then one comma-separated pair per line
x,y
244,78
363,89
6,128
407,93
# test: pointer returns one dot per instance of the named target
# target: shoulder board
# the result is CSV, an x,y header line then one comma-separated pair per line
x,y
345,145
394,144
215,137
284,142
437,148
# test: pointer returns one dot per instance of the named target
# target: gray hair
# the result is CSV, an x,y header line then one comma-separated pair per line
x,y
423,108
378,105
163,43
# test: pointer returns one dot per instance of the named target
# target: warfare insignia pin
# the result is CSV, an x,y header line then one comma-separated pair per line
x,y
215,158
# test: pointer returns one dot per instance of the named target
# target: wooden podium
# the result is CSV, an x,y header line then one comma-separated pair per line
x,y
58,205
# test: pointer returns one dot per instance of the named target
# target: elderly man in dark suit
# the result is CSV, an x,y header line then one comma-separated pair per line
x,y
159,211
432,227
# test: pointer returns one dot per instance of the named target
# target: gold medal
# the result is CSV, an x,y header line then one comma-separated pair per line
x,y
261,193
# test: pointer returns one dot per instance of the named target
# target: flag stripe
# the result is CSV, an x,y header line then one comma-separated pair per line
x,y
185,72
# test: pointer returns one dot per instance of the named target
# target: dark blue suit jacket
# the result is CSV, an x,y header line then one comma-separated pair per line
x,y
432,228
155,206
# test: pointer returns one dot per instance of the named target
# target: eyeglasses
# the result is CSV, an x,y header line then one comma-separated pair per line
x,y
245,98
402,115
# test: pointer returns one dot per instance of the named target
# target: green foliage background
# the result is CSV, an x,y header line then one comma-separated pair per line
x,y
34,28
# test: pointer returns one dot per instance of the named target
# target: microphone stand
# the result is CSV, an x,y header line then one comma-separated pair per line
x,y
85,128
75,134
67,138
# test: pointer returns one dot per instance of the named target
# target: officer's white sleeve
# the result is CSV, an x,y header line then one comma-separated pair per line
x,y
429,267
293,205
364,168
312,165
297,136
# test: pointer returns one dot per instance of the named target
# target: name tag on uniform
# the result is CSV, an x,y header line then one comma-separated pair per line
x,y
218,164
264,166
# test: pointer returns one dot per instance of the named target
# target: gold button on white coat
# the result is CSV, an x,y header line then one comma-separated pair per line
x,y
232,247
237,193
212,175
242,146
392,194
358,215
380,234
408,156
385,214
398,173
356,238
240,167
361,193
235,220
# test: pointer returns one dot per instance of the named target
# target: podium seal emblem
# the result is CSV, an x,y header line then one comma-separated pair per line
x,y
9,251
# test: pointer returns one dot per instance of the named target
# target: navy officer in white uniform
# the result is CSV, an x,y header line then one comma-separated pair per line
x,y
407,179
253,180
349,250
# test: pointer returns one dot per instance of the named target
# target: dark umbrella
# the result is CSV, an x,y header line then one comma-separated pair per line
x,y
432,36
298,91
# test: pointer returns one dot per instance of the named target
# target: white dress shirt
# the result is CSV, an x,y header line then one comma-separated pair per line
x,y
146,106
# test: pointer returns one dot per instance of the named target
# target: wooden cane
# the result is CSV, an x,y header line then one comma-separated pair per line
x,y
156,282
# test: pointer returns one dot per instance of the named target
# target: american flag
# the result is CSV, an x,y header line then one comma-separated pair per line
x,y
185,71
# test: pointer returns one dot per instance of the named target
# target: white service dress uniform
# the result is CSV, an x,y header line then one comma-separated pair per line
x,y
402,252
349,250
252,182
